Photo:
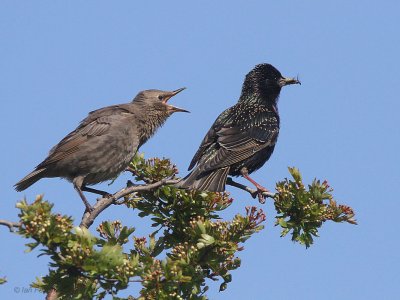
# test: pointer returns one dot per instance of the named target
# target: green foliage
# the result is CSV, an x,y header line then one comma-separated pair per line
x,y
39,224
190,244
3,280
302,211
153,169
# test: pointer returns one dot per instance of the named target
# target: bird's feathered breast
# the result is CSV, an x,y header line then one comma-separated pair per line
x,y
149,121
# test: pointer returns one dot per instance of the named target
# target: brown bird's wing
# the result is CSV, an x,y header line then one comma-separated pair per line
x,y
96,123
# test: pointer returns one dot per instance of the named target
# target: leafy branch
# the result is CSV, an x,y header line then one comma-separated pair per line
x,y
301,211
190,244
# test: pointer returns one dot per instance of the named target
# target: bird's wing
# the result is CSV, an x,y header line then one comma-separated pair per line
x,y
97,123
239,142
104,112
211,137
208,140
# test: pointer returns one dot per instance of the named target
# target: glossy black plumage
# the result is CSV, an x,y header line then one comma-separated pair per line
x,y
243,137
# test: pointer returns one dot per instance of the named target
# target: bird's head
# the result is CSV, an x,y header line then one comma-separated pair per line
x,y
266,81
157,101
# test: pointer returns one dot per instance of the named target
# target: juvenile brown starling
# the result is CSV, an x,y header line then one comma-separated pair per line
x,y
243,137
105,142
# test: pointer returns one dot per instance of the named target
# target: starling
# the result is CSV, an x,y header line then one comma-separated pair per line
x,y
104,143
243,137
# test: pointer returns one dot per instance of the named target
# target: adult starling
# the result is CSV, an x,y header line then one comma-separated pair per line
x,y
105,142
243,137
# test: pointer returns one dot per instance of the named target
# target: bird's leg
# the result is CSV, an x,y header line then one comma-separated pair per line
x,y
231,182
245,174
254,193
94,191
77,187
260,188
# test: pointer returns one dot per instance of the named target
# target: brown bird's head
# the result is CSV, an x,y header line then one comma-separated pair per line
x,y
157,101
152,110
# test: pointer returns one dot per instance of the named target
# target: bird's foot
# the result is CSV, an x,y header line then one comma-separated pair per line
x,y
105,195
129,183
89,208
260,189
261,197
261,193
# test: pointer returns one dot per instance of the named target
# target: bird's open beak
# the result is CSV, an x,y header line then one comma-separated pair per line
x,y
286,81
169,96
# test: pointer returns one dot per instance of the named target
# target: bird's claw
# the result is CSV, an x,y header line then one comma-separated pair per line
x,y
253,193
129,183
89,209
105,195
258,194
261,197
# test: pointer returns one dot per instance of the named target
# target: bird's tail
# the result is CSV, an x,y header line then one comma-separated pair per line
x,y
29,179
213,181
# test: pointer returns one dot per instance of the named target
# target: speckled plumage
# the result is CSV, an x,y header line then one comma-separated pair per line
x,y
243,137
105,142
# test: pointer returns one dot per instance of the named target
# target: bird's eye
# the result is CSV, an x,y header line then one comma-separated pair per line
x,y
160,97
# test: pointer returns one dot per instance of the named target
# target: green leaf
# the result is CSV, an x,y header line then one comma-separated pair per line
x,y
206,239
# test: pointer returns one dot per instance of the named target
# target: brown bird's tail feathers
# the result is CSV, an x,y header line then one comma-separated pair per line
x,y
213,181
29,179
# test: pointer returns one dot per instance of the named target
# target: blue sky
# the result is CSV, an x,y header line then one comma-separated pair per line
x,y
61,59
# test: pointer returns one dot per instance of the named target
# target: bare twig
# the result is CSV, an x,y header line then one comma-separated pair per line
x,y
129,169
107,279
254,193
89,217
10,225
